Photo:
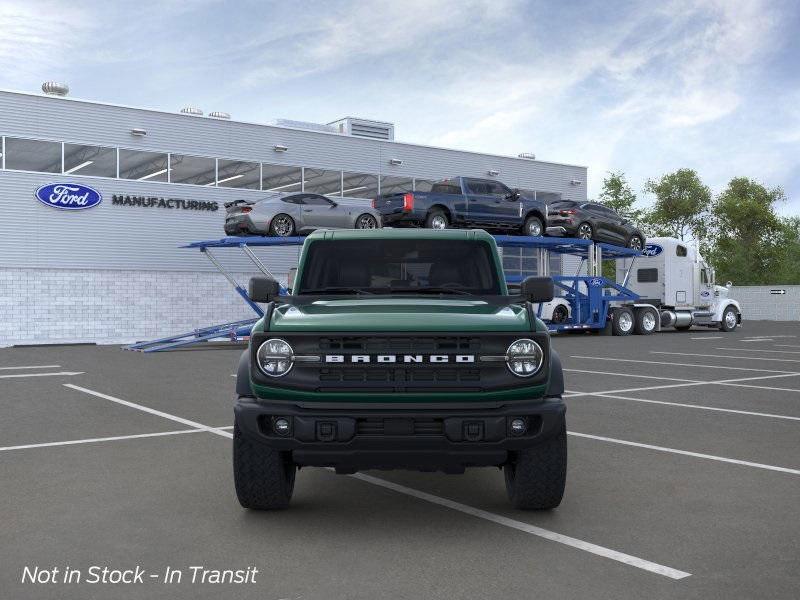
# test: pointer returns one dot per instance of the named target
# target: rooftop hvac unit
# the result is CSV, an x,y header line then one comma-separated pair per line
x,y
192,110
376,130
527,155
53,88
219,115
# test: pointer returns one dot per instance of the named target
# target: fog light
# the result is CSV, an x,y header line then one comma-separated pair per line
x,y
281,426
518,426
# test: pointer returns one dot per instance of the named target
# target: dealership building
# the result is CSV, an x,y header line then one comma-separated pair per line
x,y
115,272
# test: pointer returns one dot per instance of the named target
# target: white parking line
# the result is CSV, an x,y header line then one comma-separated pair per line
x,y
794,360
757,340
633,375
697,406
31,367
686,453
674,364
519,525
627,559
689,383
707,337
787,346
152,411
63,373
106,439
760,350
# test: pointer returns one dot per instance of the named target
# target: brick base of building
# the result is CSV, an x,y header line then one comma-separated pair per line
x,y
51,306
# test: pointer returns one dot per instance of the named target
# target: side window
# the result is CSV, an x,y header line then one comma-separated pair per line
x,y
497,189
703,276
445,187
647,275
293,199
315,200
477,187
680,250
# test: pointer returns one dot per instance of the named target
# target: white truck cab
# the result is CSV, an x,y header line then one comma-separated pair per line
x,y
673,277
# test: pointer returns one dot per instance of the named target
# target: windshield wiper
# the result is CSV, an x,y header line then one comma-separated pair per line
x,y
337,290
437,290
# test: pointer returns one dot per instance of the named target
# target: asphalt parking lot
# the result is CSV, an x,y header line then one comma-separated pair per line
x,y
684,482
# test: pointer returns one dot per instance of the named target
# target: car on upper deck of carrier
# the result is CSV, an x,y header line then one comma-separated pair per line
x,y
593,221
400,349
466,202
284,215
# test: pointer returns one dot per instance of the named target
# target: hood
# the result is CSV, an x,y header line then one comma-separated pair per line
x,y
720,291
399,314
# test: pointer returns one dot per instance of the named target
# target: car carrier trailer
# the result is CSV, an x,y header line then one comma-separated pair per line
x,y
639,301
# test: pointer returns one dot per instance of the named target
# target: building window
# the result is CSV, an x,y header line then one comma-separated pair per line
x,y
396,185
33,155
320,181
196,170
238,174
98,161
143,166
359,185
279,178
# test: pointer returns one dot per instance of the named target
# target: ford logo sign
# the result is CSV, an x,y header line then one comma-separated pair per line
x,y
68,196
595,282
652,250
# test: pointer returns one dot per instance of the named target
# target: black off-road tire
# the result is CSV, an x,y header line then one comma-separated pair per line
x,y
560,314
536,476
264,477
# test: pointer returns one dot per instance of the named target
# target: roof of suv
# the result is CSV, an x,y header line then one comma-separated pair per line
x,y
400,234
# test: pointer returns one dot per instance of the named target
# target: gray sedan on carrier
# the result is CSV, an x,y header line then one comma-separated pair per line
x,y
283,215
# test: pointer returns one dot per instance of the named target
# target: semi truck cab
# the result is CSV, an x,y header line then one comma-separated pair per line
x,y
672,276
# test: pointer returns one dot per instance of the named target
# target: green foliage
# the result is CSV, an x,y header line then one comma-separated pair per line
x,y
681,206
751,244
618,195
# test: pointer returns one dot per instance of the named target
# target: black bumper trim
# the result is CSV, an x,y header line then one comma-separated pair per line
x,y
466,436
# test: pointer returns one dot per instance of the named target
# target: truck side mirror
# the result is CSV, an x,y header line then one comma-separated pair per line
x,y
537,289
729,284
263,289
290,278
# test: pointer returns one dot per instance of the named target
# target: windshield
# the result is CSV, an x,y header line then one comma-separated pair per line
x,y
399,266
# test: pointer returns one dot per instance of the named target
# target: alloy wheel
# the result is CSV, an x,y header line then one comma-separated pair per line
x,y
366,222
585,231
282,226
635,243
438,222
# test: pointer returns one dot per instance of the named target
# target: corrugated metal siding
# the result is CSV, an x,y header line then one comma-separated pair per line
x,y
758,302
122,237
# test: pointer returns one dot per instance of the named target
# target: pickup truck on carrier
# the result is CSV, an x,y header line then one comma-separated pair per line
x,y
399,349
465,202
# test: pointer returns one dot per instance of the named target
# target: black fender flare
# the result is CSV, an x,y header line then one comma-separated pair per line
x,y
243,376
555,386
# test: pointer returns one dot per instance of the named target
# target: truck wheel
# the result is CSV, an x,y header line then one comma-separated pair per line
x,y
622,321
264,477
645,323
533,227
729,320
535,477
436,219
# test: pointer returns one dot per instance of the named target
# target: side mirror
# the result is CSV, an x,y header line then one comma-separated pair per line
x,y
263,289
729,284
514,195
537,289
334,204
290,278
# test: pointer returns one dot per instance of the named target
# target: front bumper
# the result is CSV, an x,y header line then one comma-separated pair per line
x,y
428,439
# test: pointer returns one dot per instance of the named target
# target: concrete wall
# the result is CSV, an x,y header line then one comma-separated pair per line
x,y
759,304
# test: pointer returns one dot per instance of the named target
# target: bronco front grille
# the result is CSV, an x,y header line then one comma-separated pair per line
x,y
379,344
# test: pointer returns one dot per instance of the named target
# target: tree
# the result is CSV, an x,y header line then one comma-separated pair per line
x,y
618,196
681,206
751,244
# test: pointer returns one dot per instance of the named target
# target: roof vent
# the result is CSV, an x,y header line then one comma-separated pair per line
x,y
527,155
376,130
303,125
219,115
53,88
192,110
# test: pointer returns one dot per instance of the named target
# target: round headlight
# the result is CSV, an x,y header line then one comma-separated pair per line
x,y
524,357
275,357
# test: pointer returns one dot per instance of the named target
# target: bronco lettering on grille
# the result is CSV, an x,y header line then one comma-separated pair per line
x,y
399,358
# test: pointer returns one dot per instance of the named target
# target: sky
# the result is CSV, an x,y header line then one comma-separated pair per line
x,y
639,87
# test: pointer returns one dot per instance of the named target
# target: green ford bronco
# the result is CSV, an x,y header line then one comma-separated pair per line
x,y
400,349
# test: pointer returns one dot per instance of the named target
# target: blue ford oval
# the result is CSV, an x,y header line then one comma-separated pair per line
x,y
652,250
68,196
